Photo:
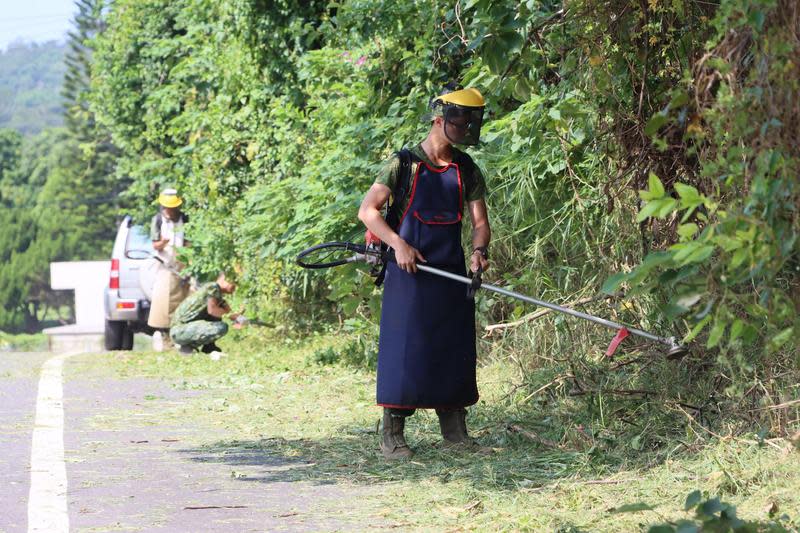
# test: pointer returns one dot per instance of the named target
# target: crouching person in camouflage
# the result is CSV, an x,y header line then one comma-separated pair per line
x,y
197,322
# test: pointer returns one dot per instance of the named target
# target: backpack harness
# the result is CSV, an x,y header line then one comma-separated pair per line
x,y
393,213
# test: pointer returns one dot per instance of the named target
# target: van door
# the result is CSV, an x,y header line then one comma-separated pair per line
x,y
130,269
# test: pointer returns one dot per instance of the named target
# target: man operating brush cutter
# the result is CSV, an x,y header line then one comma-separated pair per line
x,y
426,355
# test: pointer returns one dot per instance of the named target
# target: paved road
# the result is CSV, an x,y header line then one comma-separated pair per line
x,y
19,375
129,470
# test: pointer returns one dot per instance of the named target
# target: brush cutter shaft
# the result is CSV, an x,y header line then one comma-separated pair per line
x,y
332,254
554,307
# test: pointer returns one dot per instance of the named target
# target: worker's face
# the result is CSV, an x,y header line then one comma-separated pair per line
x,y
463,125
454,133
172,213
457,129
225,286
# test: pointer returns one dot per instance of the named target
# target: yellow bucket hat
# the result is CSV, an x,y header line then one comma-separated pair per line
x,y
169,198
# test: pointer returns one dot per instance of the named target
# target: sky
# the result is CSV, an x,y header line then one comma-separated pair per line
x,y
34,20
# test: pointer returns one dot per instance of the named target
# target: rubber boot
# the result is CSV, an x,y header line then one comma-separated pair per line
x,y
210,347
453,424
393,443
162,342
186,350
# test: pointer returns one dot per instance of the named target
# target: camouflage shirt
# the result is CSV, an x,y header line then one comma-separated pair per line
x,y
195,307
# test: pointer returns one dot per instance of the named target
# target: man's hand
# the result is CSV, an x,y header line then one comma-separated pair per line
x,y
477,260
238,321
160,245
407,256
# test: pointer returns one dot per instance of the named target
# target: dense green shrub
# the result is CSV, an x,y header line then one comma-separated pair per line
x,y
650,144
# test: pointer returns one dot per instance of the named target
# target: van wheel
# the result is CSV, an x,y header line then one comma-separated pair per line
x,y
127,338
114,334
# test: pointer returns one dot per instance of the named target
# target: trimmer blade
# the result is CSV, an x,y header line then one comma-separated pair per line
x,y
677,351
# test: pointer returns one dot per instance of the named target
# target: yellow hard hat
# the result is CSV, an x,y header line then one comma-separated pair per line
x,y
469,97
169,198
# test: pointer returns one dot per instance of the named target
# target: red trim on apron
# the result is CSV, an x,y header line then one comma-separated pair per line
x,y
440,171
392,406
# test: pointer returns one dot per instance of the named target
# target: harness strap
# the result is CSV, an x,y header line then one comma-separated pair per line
x,y
400,191
401,188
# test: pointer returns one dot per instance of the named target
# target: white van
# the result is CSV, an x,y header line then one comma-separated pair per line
x,y
127,304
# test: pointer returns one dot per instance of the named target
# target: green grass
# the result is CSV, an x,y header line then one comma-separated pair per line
x,y
23,342
269,393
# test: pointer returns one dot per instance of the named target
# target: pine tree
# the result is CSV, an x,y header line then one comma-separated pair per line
x,y
87,24
10,142
96,175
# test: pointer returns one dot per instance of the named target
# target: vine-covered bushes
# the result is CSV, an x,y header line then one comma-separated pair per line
x,y
647,148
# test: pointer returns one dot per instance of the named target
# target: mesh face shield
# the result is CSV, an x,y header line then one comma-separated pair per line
x,y
462,124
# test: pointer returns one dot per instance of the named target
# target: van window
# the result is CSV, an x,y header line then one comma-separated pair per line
x,y
138,239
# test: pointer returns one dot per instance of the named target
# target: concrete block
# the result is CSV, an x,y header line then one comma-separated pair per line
x,y
88,279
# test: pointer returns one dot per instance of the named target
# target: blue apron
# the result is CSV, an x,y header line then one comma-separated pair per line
x,y
426,356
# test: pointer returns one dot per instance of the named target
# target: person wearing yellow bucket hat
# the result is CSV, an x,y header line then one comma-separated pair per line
x,y
169,289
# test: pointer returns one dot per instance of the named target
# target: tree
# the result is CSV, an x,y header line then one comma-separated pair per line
x,y
87,24
60,190
10,142
96,169
44,220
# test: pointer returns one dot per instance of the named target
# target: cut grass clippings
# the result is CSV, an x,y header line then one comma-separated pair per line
x,y
268,394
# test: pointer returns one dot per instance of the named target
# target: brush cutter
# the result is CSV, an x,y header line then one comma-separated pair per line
x,y
331,254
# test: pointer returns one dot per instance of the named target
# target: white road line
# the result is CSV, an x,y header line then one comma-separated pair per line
x,y
47,501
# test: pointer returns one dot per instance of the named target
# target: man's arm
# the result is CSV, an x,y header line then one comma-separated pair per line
x,y
481,233
370,214
216,308
155,234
